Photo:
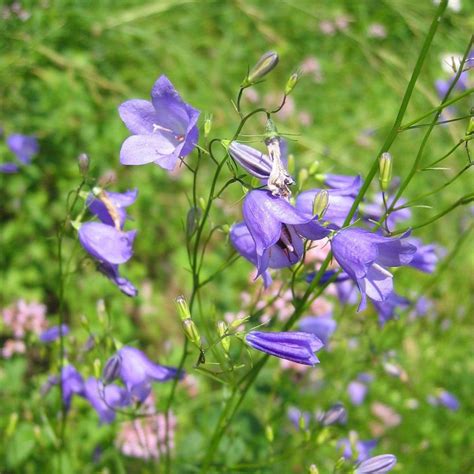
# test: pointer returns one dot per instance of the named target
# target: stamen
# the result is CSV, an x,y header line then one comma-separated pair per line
x,y
159,127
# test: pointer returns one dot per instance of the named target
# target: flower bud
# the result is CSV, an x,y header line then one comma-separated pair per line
x,y
291,163
111,370
12,423
385,170
222,331
291,83
313,169
83,162
336,414
192,219
313,469
302,176
382,463
183,308
269,434
263,66
470,126
320,203
97,370
238,322
207,125
191,331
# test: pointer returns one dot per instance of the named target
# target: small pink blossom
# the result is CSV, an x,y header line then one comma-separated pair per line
x,y
23,317
13,346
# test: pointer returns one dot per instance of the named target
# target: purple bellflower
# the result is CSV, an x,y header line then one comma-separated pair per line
x,y
163,130
426,256
321,326
276,226
343,181
53,333
377,465
298,347
105,398
243,242
105,243
376,209
446,399
24,147
112,273
363,448
118,201
72,384
340,202
357,392
363,255
137,372
387,309
298,417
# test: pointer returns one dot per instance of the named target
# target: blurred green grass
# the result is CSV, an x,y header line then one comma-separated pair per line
x,y
64,71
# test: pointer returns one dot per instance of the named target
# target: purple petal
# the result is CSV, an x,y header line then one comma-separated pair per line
x,y
143,149
377,464
119,201
9,168
139,116
23,146
321,326
53,333
112,273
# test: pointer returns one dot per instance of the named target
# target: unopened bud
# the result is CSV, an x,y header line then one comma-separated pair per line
x,y
470,126
313,169
111,370
336,414
97,365
302,176
385,170
269,433
83,162
320,203
183,308
302,422
291,163
313,469
202,203
291,83
222,331
238,322
191,331
207,126
12,423
192,219
263,66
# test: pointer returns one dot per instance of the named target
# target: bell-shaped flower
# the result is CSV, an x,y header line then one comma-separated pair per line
x,y
363,255
243,242
72,384
53,333
105,399
351,184
339,205
375,209
298,347
387,308
276,226
24,147
163,130
377,465
357,392
113,274
111,204
137,372
426,256
105,243
321,326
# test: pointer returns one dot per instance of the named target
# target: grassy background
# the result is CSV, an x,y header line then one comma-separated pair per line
x,y
64,71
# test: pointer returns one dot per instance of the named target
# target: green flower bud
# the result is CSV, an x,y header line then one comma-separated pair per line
x,y
291,163
191,331
207,125
291,83
192,220
470,126
238,322
313,169
385,170
183,308
320,203
222,331
97,368
313,469
12,423
269,433
263,66
302,176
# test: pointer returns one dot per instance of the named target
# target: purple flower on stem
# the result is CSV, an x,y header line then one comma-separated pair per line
x,y
118,201
426,257
321,326
163,130
137,372
72,383
363,448
276,226
298,347
105,398
357,392
112,273
376,209
363,255
342,181
24,147
53,333
243,242
377,464
298,417
105,243
387,309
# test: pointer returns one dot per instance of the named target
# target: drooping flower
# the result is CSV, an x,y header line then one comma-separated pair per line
x,y
24,147
298,347
72,384
53,333
321,326
122,283
377,465
137,372
340,202
105,243
426,256
387,308
109,205
363,255
276,226
163,130
105,398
